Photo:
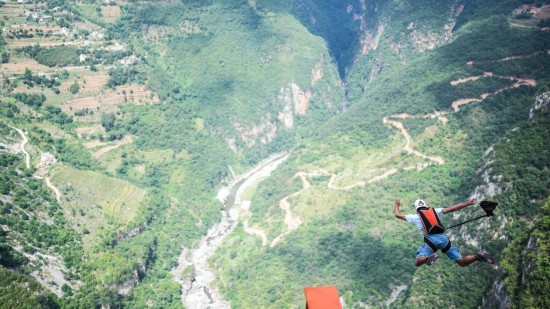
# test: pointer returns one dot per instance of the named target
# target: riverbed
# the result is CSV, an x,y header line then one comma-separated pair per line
x,y
198,288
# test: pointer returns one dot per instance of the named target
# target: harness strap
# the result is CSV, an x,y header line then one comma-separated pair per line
x,y
430,244
447,247
434,248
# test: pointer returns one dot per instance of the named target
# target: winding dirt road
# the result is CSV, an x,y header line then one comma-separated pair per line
x,y
455,105
408,138
54,188
293,222
24,142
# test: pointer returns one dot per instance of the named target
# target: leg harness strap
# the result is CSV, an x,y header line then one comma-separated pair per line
x,y
447,247
434,248
430,244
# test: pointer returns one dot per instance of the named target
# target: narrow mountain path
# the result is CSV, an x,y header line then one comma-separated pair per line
x,y
518,83
49,184
50,271
24,142
408,148
54,188
455,105
521,57
291,221
252,230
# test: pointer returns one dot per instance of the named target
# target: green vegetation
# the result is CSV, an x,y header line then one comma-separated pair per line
x,y
21,292
2,41
524,160
31,80
51,113
238,81
527,265
33,100
32,222
115,199
56,115
120,76
74,88
461,142
59,56
5,57
65,55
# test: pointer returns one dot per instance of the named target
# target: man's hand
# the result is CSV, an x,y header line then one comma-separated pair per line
x,y
472,202
397,212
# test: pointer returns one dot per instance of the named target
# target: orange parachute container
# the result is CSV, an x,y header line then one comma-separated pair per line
x,y
322,297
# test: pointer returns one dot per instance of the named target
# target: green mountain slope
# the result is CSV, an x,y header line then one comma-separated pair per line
x,y
348,236
122,121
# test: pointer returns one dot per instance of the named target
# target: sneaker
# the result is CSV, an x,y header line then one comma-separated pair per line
x,y
483,255
431,259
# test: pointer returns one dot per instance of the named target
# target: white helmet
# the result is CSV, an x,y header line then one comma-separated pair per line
x,y
419,203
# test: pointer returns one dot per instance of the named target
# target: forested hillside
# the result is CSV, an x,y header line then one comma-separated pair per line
x,y
201,154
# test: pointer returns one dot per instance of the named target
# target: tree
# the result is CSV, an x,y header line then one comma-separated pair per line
x,y
5,57
67,290
74,88
108,121
33,100
27,75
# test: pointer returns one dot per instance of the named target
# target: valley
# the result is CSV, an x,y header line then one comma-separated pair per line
x,y
227,154
198,289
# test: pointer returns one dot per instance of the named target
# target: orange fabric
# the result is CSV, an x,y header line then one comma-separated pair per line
x,y
423,224
322,297
431,216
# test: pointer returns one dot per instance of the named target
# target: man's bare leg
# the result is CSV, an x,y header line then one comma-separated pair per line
x,y
467,260
428,260
421,261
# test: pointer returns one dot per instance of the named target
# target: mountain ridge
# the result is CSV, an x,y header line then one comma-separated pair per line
x,y
169,100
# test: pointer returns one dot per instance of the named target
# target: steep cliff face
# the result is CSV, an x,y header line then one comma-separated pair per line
x,y
139,271
295,107
525,268
395,33
522,261
363,37
338,22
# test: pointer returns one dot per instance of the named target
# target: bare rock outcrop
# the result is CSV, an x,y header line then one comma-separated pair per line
x,y
541,103
138,273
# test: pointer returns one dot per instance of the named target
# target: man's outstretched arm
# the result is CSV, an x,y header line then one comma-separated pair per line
x,y
459,206
398,213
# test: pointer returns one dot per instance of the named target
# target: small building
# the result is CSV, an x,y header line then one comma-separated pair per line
x,y
46,159
132,60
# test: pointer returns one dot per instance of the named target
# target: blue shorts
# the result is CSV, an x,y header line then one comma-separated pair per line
x,y
440,241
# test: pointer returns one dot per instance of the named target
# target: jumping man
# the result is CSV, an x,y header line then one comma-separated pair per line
x,y
428,221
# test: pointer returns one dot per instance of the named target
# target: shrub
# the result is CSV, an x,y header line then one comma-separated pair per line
x,y
74,88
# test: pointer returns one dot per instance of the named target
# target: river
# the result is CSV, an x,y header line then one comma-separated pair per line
x,y
199,290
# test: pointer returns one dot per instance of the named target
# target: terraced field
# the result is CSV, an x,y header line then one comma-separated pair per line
x,y
95,201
